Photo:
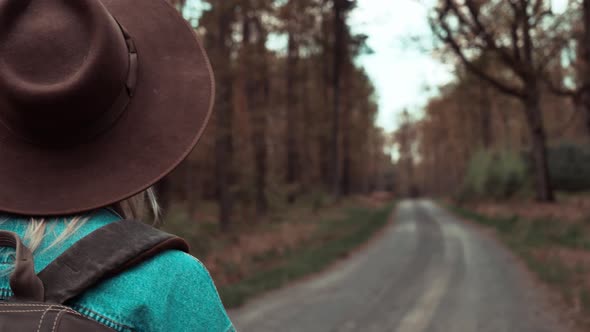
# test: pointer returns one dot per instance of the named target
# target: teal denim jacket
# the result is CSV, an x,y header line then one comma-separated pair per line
x,y
172,292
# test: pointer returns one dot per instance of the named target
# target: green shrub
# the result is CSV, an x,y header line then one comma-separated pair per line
x,y
569,167
497,174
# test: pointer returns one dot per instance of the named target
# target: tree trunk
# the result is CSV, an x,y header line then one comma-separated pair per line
x,y
586,65
260,154
190,188
260,122
485,117
543,189
337,67
307,176
292,155
534,116
586,107
223,118
345,177
324,137
223,159
255,68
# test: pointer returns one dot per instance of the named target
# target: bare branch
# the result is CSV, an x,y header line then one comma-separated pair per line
x,y
526,36
515,39
553,53
505,57
450,40
560,90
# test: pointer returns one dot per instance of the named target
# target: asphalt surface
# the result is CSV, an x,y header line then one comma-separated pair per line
x,y
428,272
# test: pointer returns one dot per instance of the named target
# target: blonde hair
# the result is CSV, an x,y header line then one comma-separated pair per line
x,y
143,206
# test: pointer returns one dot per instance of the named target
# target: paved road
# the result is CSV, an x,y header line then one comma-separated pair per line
x,y
427,273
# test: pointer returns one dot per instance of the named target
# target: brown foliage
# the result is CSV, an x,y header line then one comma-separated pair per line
x,y
289,122
503,52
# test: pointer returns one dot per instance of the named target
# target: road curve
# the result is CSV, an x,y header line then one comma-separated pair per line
x,y
429,272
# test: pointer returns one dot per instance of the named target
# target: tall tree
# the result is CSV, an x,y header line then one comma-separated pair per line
x,y
219,20
405,140
576,43
274,109
291,10
347,105
505,29
326,153
340,52
255,77
584,90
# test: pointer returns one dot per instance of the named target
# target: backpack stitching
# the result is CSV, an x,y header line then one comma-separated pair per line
x,y
59,314
43,316
88,313
56,318
32,305
50,307
22,310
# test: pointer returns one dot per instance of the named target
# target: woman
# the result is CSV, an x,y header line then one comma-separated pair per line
x,y
100,99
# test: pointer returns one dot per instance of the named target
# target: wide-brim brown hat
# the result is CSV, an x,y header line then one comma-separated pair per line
x,y
99,99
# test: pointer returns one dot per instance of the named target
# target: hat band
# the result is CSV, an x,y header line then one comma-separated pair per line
x,y
110,117
106,119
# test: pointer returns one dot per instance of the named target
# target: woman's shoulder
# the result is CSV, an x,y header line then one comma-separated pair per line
x,y
192,299
170,292
174,263
181,274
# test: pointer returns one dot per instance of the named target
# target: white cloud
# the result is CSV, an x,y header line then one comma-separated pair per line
x,y
559,6
400,71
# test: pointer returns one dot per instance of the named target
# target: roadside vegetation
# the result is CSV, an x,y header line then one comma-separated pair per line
x,y
497,190
553,240
291,244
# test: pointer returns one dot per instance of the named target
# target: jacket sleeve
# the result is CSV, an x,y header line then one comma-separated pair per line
x,y
190,301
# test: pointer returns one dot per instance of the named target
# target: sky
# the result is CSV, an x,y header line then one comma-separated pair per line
x,y
400,71
404,74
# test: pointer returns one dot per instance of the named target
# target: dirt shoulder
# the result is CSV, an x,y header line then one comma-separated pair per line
x,y
266,254
553,240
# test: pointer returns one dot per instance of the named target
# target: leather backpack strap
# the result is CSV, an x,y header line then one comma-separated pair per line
x,y
102,254
25,284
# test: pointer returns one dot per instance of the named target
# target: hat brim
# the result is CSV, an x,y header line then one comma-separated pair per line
x,y
167,115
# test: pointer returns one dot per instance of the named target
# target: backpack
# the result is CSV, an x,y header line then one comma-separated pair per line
x,y
38,304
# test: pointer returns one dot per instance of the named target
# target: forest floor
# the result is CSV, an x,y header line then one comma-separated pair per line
x,y
552,239
260,254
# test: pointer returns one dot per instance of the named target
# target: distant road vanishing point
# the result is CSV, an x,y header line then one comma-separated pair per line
x,y
429,272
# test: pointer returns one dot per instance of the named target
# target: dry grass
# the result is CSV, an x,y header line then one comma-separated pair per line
x,y
261,254
554,241
245,253
570,208
261,246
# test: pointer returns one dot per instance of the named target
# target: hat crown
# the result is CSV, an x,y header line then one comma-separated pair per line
x,y
63,64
